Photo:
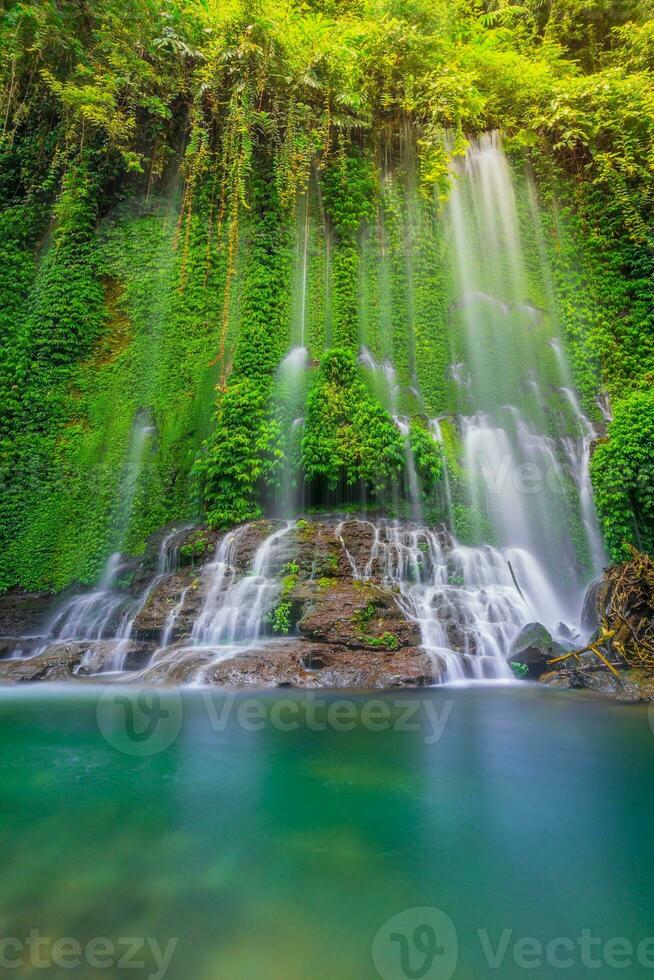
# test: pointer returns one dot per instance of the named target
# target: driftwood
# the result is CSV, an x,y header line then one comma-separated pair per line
x,y
626,633
595,647
515,581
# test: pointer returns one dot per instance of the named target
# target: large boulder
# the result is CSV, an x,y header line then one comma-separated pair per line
x,y
534,647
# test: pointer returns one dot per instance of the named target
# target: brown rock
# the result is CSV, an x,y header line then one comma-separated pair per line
x,y
61,661
308,665
24,613
355,615
632,686
151,621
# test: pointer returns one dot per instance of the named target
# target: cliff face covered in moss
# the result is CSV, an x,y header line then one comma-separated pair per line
x,y
238,266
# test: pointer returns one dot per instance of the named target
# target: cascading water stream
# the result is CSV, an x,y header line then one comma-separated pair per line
x,y
291,380
233,615
413,486
96,615
290,397
521,463
383,380
108,613
167,561
461,598
436,428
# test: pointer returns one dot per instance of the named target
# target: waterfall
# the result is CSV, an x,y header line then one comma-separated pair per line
x,y
167,560
108,613
521,540
236,606
302,266
460,598
383,381
519,460
142,430
437,430
290,397
413,486
91,615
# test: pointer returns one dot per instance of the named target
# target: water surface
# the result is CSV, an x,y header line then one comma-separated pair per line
x,y
281,853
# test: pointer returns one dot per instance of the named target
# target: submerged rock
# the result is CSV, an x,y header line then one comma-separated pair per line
x,y
632,686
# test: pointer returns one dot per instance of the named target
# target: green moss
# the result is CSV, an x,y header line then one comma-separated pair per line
x,y
194,547
239,456
362,621
622,471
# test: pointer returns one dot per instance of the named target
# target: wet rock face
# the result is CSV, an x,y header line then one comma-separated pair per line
x,y
165,599
355,615
22,614
320,665
301,664
344,632
69,660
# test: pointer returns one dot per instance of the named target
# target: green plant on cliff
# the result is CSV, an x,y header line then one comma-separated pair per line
x,y
622,470
348,189
348,436
238,456
427,454
362,621
280,618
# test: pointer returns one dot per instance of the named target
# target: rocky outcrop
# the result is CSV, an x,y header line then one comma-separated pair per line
x,y
297,663
23,613
534,647
72,660
356,615
346,627
180,593
632,686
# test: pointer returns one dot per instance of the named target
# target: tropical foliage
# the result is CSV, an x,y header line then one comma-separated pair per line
x,y
152,155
